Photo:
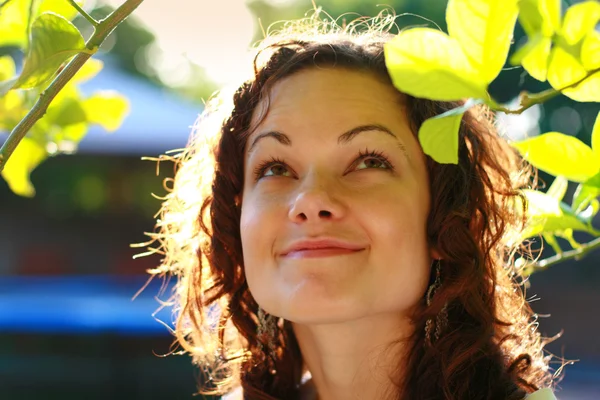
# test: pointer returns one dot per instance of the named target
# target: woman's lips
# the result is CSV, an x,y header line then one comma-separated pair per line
x,y
324,252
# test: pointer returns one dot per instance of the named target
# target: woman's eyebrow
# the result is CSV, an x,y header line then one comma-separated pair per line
x,y
344,138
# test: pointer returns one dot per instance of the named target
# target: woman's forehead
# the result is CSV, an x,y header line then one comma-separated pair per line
x,y
329,93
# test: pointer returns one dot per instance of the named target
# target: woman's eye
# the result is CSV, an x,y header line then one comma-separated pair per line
x,y
276,170
372,162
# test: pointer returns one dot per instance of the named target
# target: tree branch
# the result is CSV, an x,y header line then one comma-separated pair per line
x,y
528,100
83,13
104,28
563,256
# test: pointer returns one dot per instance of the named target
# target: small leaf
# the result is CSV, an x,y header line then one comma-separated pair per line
x,y
484,29
7,68
106,108
564,71
540,16
580,19
596,138
12,110
534,56
558,188
548,215
13,23
590,211
90,69
426,63
7,85
560,154
590,51
26,157
60,7
438,136
53,41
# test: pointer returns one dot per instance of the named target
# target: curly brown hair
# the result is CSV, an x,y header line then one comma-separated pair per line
x,y
490,349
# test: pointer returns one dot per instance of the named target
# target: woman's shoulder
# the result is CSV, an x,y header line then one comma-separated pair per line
x,y
542,394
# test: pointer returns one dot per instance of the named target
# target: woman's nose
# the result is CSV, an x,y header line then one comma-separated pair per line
x,y
315,201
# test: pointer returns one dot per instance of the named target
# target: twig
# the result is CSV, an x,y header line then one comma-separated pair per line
x,y
567,255
3,4
83,13
528,100
104,28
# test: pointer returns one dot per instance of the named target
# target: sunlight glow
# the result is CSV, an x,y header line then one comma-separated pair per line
x,y
213,35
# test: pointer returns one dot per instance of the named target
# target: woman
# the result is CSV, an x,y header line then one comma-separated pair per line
x,y
322,255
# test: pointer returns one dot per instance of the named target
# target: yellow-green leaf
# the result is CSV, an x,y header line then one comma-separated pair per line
x,y
590,51
596,138
549,215
540,16
580,19
14,16
534,56
12,110
53,41
565,70
61,7
107,109
426,63
558,188
484,29
90,69
559,154
438,136
27,156
583,195
13,23
7,68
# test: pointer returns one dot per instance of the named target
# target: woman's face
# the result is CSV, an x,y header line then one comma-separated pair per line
x,y
334,160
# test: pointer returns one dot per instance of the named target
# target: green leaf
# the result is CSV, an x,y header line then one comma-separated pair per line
x,y
5,86
540,16
580,19
426,63
53,41
590,51
565,70
596,138
106,108
7,68
27,156
534,56
484,29
60,7
15,14
90,69
438,136
549,215
560,154
558,188
13,23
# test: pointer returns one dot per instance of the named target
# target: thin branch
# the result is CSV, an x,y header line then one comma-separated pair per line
x,y
4,3
104,28
567,255
83,13
528,100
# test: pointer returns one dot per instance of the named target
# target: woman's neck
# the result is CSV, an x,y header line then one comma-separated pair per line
x,y
355,359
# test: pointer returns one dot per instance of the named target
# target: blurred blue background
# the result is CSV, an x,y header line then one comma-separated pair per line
x,y
69,328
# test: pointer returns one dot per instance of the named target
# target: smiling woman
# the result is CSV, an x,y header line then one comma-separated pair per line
x,y
322,255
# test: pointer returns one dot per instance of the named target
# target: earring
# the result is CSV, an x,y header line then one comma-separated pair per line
x,y
265,332
441,320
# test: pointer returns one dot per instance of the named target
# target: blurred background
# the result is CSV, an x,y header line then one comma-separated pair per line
x,y
69,328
